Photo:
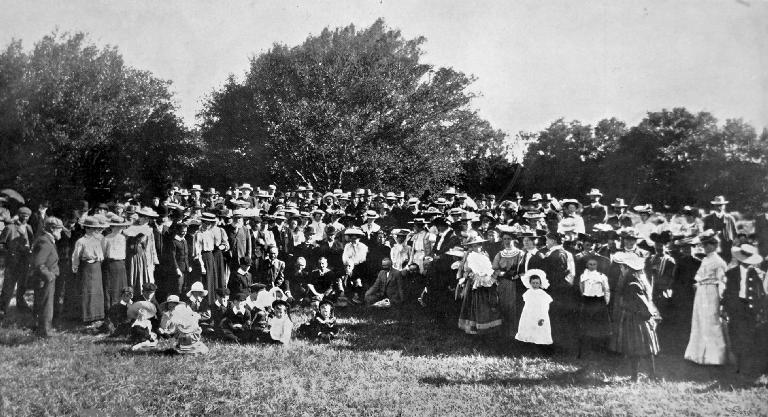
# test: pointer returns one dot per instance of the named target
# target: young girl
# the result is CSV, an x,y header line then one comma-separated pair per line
x,y
141,331
535,326
594,322
323,324
280,325
237,320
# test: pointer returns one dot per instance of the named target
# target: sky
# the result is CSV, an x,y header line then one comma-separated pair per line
x,y
535,60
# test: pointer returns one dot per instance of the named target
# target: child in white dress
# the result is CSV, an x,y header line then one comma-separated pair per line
x,y
534,325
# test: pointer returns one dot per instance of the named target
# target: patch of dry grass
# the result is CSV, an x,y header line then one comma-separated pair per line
x,y
384,364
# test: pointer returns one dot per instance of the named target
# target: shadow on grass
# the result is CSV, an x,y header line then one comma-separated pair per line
x,y
574,378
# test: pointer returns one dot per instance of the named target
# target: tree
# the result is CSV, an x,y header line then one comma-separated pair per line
x,y
350,108
78,122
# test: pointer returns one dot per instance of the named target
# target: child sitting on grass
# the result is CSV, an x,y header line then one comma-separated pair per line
x,y
280,325
323,323
118,324
534,321
142,335
236,324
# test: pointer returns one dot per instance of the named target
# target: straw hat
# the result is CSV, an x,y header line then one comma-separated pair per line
x,y
594,192
629,259
526,278
146,212
208,217
747,254
197,286
457,251
133,309
619,203
92,222
719,201
173,298
370,214
475,240
354,231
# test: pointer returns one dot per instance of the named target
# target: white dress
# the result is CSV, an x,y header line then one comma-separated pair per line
x,y
536,308
707,344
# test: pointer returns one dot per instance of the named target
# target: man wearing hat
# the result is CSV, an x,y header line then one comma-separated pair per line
x,y
45,270
723,224
595,212
16,242
440,296
744,300
619,218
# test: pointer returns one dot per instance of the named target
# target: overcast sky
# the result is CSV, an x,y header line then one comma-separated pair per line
x,y
535,61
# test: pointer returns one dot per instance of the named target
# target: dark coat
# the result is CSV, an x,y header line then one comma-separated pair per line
x,y
45,259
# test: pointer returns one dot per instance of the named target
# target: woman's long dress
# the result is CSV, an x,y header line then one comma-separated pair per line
x,y
137,262
707,343
510,298
480,307
636,330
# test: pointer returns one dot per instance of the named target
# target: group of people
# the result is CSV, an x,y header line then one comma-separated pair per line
x,y
539,270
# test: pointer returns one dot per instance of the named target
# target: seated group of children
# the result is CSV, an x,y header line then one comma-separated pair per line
x,y
261,316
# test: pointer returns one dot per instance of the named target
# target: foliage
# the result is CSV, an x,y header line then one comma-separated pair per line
x,y
672,157
351,108
78,122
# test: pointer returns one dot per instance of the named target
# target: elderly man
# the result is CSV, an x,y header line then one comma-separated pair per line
x,y
16,241
45,270
387,286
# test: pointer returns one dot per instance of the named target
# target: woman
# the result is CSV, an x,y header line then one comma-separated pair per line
x,y
175,267
86,263
560,269
505,271
113,271
141,251
419,242
205,245
706,345
480,307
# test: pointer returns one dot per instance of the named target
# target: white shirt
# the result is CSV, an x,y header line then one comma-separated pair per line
x,y
354,253
441,238
595,283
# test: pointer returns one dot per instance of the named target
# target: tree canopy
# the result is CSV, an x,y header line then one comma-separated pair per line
x,y
76,121
349,108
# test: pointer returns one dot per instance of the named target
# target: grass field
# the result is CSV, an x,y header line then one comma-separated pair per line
x,y
384,364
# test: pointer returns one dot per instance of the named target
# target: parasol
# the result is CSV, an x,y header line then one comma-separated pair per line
x,y
12,194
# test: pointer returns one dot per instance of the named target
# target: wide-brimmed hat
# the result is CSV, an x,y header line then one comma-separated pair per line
x,y
353,231
602,227
245,186
118,222
457,251
92,222
628,233
147,212
594,192
643,209
211,191
432,210
746,254
133,309
619,203
197,286
400,232
413,201
173,298
629,259
418,220
391,196
526,278
707,237
441,202
533,214
536,197
208,217
663,237
196,187
52,223
455,211
475,240
370,214
450,191
440,221
564,202
719,201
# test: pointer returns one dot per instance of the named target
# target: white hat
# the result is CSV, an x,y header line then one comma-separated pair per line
x,y
526,278
197,286
747,254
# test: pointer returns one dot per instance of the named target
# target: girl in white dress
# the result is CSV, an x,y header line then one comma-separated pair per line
x,y
535,326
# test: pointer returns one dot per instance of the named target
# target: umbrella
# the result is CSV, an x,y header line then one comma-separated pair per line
x,y
13,194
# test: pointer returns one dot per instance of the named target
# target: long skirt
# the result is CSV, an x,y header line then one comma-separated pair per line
x,y
706,345
114,278
92,291
138,269
480,310
563,314
636,337
510,303
211,276
594,321
222,268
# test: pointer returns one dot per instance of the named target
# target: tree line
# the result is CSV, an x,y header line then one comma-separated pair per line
x,y
346,108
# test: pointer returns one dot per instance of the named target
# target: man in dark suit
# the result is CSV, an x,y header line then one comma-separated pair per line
x,y
723,224
273,269
595,212
388,285
16,243
744,300
45,270
439,293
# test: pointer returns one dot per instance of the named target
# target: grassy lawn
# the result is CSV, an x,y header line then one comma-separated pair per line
x,y
385,363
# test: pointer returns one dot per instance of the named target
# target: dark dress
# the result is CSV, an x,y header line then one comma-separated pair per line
x,y
636,334
747,318
510,302
175,256
564,305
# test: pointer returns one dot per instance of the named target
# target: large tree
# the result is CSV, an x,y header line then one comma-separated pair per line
x,y
76,121
349,108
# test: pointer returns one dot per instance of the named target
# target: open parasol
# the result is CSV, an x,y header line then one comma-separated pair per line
x,y
12,194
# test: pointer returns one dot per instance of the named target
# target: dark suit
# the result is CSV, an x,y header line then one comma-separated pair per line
x,y
45,270
440,297
239,282
272,271
744,314
387,285
593,215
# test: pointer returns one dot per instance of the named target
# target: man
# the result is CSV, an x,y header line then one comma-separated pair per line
x,y
274,269
595,212
744,302
16,242
442,277
239,237
37,219
45,270
619,218
246,191
386,286
646,225
660,270
330,248
723,224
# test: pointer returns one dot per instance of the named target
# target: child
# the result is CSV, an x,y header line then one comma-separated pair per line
x,y
323,324
594,322
534,321
219,309
182,324
198,302
237,321
280,325
141,331
118,324
259,303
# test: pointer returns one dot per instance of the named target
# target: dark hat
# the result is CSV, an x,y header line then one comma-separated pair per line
x,y
440,221
126,290
284,303
558,237
256,287
324,302
663,237
585,237
221,292
241,296
148,286
708,237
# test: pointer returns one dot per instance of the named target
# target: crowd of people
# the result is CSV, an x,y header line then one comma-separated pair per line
x,y
555,273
